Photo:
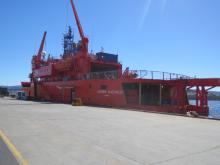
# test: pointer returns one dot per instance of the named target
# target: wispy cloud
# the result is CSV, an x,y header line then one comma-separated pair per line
x,y
145,13
147,8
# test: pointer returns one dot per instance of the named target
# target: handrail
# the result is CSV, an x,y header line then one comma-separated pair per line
x,y
107,75
153,75
135,74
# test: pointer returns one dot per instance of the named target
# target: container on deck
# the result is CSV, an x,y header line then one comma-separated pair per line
x,y
106,57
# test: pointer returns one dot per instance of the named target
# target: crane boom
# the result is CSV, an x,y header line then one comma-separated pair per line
x,y
39,54
83,38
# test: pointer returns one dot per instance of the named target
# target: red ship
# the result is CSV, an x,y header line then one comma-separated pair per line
x,y
98,79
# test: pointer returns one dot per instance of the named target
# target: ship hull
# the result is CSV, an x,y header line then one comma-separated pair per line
x,y
139,94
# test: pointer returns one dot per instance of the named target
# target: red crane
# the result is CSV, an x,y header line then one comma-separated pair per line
x,y
37,59
40,51
84,39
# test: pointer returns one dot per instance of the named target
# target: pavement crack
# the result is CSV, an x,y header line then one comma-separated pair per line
x,y
187,155
134,160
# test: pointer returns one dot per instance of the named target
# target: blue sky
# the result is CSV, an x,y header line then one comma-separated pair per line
x,y
181,36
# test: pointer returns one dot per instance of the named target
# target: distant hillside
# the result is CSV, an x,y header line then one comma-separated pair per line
x,y
212,95
215,93
13,89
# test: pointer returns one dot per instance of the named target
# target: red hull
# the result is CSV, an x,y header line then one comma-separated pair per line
x,y
151,95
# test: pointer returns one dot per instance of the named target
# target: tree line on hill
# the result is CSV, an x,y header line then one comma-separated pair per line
x,y
212,95
9,90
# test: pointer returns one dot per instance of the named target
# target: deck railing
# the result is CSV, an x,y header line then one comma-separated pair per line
x,y
153,75
107,75
136,74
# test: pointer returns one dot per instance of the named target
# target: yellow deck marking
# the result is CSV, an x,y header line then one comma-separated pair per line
x,y
13,149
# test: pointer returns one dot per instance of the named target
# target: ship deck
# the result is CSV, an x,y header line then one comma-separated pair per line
x,y
48,133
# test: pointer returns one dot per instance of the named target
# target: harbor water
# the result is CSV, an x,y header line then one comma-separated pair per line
x,y
214,108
